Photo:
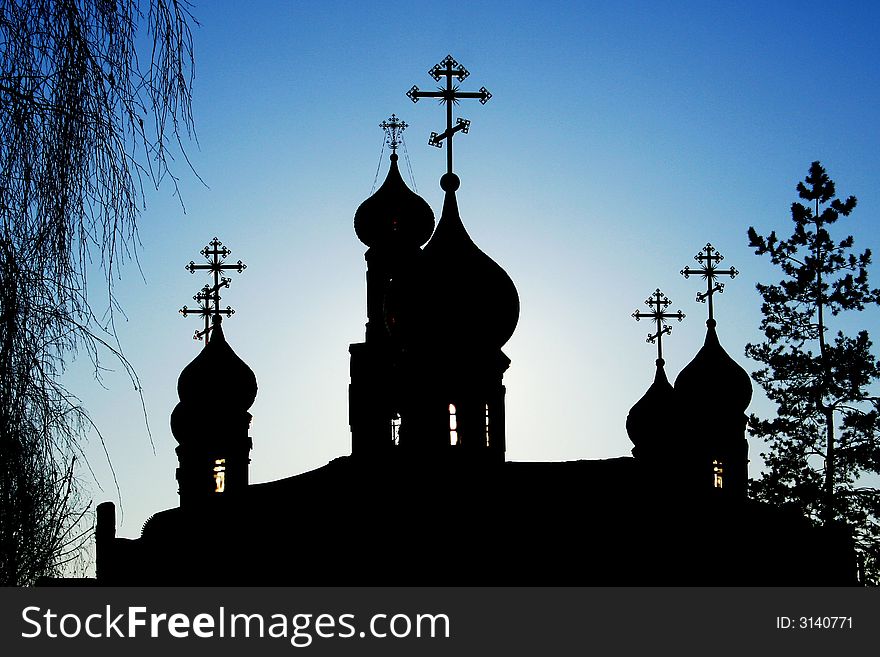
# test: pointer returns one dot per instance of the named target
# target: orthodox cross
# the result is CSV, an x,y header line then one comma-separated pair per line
x,y
658,303
208,298
709,258
205,309
449,96
393,128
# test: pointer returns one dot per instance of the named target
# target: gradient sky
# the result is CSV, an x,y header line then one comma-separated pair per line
x,y
622,136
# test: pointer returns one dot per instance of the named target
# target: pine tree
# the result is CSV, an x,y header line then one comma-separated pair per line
x,y
824,438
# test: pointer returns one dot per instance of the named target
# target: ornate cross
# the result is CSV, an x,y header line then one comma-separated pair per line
x,y
393,128
208,298
658,303
709,258
206,309
449,96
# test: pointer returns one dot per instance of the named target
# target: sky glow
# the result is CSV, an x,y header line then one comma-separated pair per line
x,y
619,140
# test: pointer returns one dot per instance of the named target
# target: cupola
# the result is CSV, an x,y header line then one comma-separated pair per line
x,y
215,383
713,380
647,420
463,298
394,215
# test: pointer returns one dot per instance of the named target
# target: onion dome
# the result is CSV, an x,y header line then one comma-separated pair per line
x,y
463,296
648,415
217,381
394,214
713,380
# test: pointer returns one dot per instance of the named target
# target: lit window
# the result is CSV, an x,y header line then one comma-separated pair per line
x,y
487,425
219,475
718,472
453,426
395,429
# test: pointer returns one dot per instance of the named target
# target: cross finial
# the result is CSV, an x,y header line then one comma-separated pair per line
x,y
449,96
393,128
208,298
658,303
709,258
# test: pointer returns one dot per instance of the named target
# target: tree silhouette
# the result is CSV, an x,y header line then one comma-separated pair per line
x,y
89,109
825,433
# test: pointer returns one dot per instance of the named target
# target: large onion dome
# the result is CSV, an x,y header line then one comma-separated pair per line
x,y
216,382
713,381
394,214
462,297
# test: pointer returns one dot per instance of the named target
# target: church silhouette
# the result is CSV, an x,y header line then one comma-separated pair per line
x,y
426,496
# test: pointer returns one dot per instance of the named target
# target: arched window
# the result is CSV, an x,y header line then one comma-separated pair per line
x,y
453,426
487,425
219,475
395,429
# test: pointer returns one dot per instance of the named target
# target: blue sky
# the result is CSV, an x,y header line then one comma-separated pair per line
x,y
621,137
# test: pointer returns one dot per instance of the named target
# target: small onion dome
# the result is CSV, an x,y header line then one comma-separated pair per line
x,y
655,410
217,378
464,297
713,380
394,214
